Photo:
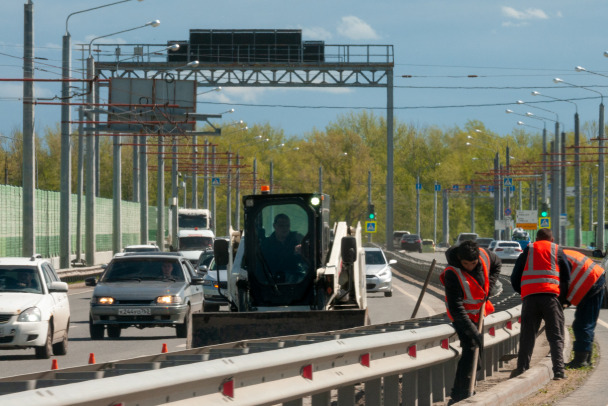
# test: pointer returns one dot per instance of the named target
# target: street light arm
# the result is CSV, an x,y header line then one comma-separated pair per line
x,y
558,80
154,23
91,9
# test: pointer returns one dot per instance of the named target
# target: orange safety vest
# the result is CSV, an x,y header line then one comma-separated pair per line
x,y
583,275
541,273
474,294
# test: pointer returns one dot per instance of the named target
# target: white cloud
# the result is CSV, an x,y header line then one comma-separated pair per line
x,y
354,28
316,33
528,14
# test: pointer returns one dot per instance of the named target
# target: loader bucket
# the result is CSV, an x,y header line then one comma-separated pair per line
x,y
224,327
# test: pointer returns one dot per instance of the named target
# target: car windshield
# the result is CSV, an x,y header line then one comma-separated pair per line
x,y
195,243
20,279
141,269
374,258
508,244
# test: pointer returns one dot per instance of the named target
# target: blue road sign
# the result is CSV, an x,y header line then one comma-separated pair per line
x,y
437,188
418,186
508,181
455,188
370,226
215,181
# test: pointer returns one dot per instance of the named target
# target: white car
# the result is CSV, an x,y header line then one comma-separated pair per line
x,y
378,272
34,307
507,251
138,248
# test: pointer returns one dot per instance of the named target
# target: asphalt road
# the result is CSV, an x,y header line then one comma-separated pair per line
x,y
134,342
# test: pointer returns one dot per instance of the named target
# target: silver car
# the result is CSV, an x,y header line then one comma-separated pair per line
x,y
378,272
215,293
145,290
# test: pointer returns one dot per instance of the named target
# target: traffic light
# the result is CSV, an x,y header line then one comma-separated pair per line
x,y
371,212
544,210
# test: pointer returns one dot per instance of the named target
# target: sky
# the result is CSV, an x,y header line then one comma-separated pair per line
x,y
455,61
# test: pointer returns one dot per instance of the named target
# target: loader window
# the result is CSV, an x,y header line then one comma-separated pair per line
x,y
281,231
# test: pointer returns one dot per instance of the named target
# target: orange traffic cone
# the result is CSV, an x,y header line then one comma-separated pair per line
x,y
164,350
54,364
91,358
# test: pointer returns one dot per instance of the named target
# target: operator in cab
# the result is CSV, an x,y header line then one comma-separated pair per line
x,y
282,249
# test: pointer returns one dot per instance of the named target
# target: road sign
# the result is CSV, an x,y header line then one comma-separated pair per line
x,y
418,186
455,188
215,181
544,222
437,188
563,220
370,226
507,212
508,181
527,219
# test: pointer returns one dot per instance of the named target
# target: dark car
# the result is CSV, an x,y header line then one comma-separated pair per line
x,y
411,242
484,242
145,290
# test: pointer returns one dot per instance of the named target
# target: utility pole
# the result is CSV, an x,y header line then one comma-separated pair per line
x,y
29,145
90,170
160,195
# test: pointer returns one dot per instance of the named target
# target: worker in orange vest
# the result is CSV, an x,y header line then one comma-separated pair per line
x,y
541,275
471,274
586,292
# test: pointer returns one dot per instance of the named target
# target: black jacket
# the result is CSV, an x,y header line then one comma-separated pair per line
x,y
455,295
564,272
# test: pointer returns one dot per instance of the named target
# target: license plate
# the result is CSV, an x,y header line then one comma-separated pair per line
x,y
134,312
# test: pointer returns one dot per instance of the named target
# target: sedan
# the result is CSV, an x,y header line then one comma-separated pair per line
x,y
411,242
34,307
215,292
144,290
378,272
507,251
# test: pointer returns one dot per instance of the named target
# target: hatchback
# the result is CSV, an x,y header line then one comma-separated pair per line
x,y
378,272
215,292
428,245
144,290
411,242
507,251
34,307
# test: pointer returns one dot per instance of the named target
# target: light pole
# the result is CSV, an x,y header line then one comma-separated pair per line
x,y
601,181
497,188
66,156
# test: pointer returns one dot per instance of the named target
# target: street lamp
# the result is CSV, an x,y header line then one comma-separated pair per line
x,y
601,182
66,154
153,23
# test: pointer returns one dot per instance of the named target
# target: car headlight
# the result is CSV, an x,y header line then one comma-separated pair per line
x,y
31,314
168,299
103,300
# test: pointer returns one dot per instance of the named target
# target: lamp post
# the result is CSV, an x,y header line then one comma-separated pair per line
x,y
498,213
601,186
66,156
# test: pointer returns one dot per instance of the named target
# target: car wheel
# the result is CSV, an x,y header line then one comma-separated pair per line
x,y
181,330
388,294
211,308
95,330
114,331
44,351
61,348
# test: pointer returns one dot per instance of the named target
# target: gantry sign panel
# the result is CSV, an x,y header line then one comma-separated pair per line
x,y
127,93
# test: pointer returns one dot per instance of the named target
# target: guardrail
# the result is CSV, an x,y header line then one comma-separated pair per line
x,y
402,367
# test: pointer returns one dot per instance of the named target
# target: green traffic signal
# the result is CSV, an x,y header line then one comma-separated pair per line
x,y
372,216
543,214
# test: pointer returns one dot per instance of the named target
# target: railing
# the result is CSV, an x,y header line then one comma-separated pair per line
x,y
423,358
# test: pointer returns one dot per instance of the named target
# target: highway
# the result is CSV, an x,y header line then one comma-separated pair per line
x,y
135,342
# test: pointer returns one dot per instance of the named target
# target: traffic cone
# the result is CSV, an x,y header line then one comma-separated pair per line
x,y
164,350
91,358
54,364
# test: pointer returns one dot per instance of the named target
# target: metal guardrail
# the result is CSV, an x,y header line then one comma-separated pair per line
x,y
424,358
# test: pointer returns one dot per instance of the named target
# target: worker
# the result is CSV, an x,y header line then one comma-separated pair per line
x,y
586,292
470,276
541,275
282,250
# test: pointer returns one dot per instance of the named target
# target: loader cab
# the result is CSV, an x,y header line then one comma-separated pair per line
x,y
287,237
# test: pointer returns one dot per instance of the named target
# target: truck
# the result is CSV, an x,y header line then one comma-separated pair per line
x,y
521,236
187,219
312,281
192,243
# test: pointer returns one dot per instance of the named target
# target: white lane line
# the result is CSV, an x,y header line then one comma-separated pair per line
x,y
603,323
428,308
80,292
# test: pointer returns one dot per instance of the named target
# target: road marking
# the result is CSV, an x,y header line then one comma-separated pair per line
x,y
181,345
428,308
603,323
